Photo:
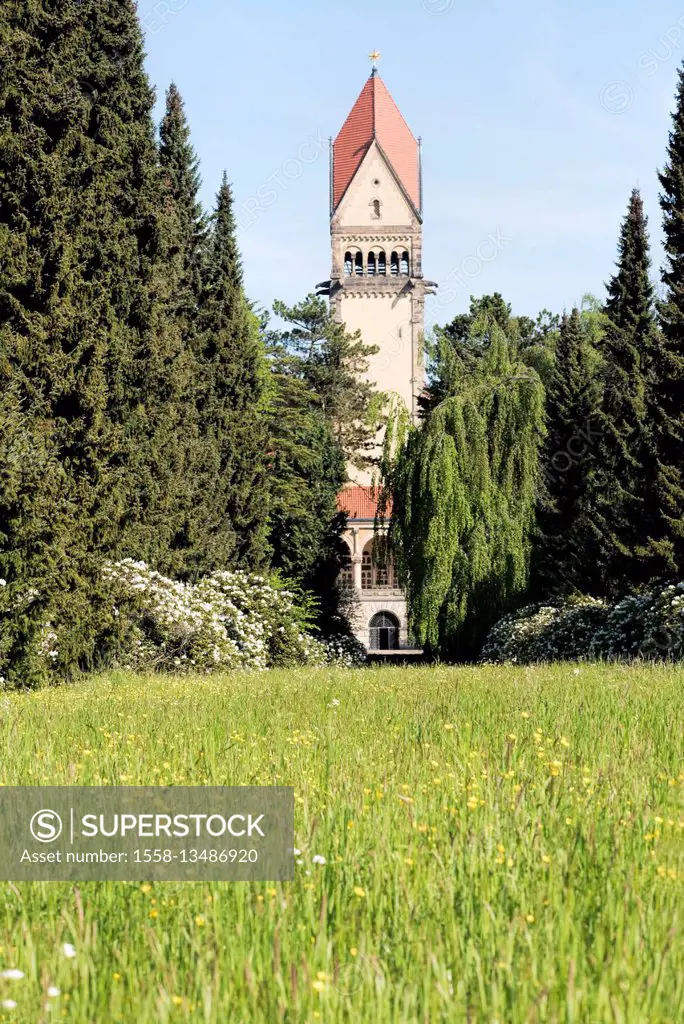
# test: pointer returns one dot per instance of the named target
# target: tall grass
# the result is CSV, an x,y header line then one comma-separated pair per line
x,y
501,845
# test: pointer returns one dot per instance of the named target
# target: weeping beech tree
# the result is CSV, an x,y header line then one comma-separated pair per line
x,y
463,486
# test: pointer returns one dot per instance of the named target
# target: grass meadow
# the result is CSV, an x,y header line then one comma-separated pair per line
x,y
500,844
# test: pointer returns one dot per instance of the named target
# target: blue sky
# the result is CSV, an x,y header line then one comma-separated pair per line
x,y
537,120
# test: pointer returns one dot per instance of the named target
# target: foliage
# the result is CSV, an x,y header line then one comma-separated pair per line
x,y
233,395
647,626
626,512
83,345
566,542
665,384
333,363
324,417
523,825
463,486
459,344
306,472
546,632
225,621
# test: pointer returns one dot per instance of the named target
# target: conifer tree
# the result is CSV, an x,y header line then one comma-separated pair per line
x,y
87,343
625,513
665,380
180,170
232,408
567,542
334,363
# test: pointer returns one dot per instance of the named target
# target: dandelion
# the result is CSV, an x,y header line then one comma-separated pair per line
x,y
529,918
358,891
199,921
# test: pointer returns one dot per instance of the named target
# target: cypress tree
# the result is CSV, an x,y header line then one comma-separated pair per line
x,y
88,348
567,540
232,408
665,379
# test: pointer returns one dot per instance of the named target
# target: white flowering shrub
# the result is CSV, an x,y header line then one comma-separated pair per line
x,y
649,626
544,633
345,651
643,626
229,620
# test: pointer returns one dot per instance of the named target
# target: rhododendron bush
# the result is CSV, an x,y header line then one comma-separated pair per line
x,y
226,621
646,626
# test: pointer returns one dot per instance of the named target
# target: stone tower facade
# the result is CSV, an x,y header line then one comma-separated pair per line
x,y
377,286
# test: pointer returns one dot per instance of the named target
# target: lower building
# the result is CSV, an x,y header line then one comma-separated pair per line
x,y
376,604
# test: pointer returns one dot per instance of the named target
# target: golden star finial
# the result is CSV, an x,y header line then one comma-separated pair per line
x,y
375,57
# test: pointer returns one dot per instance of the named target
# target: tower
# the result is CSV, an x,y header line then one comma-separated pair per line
x,y
377,286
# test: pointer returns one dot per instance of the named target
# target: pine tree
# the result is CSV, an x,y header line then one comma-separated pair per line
x,y
463,486
567,542
233,406
334,364
665,381
306,473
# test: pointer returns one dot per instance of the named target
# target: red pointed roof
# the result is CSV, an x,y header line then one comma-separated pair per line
x,y
375,115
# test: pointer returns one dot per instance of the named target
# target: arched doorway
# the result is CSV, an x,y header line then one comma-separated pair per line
x,y
384,632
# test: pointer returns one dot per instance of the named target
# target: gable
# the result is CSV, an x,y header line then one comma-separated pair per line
x,y
374,180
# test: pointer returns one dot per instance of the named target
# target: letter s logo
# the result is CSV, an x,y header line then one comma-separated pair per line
x,y
46,826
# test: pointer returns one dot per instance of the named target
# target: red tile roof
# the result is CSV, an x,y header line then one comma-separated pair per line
x,y
375,115
359,502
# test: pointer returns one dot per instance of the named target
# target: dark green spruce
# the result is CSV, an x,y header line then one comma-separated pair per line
x,y
625,512
665,382
567,541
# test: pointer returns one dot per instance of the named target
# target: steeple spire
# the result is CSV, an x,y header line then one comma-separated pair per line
x,y
375,117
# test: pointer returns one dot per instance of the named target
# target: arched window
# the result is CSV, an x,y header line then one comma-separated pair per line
x,y
348,264
376,209
404,263
377,567
395,264
371,264
358,264
383,632
382,264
